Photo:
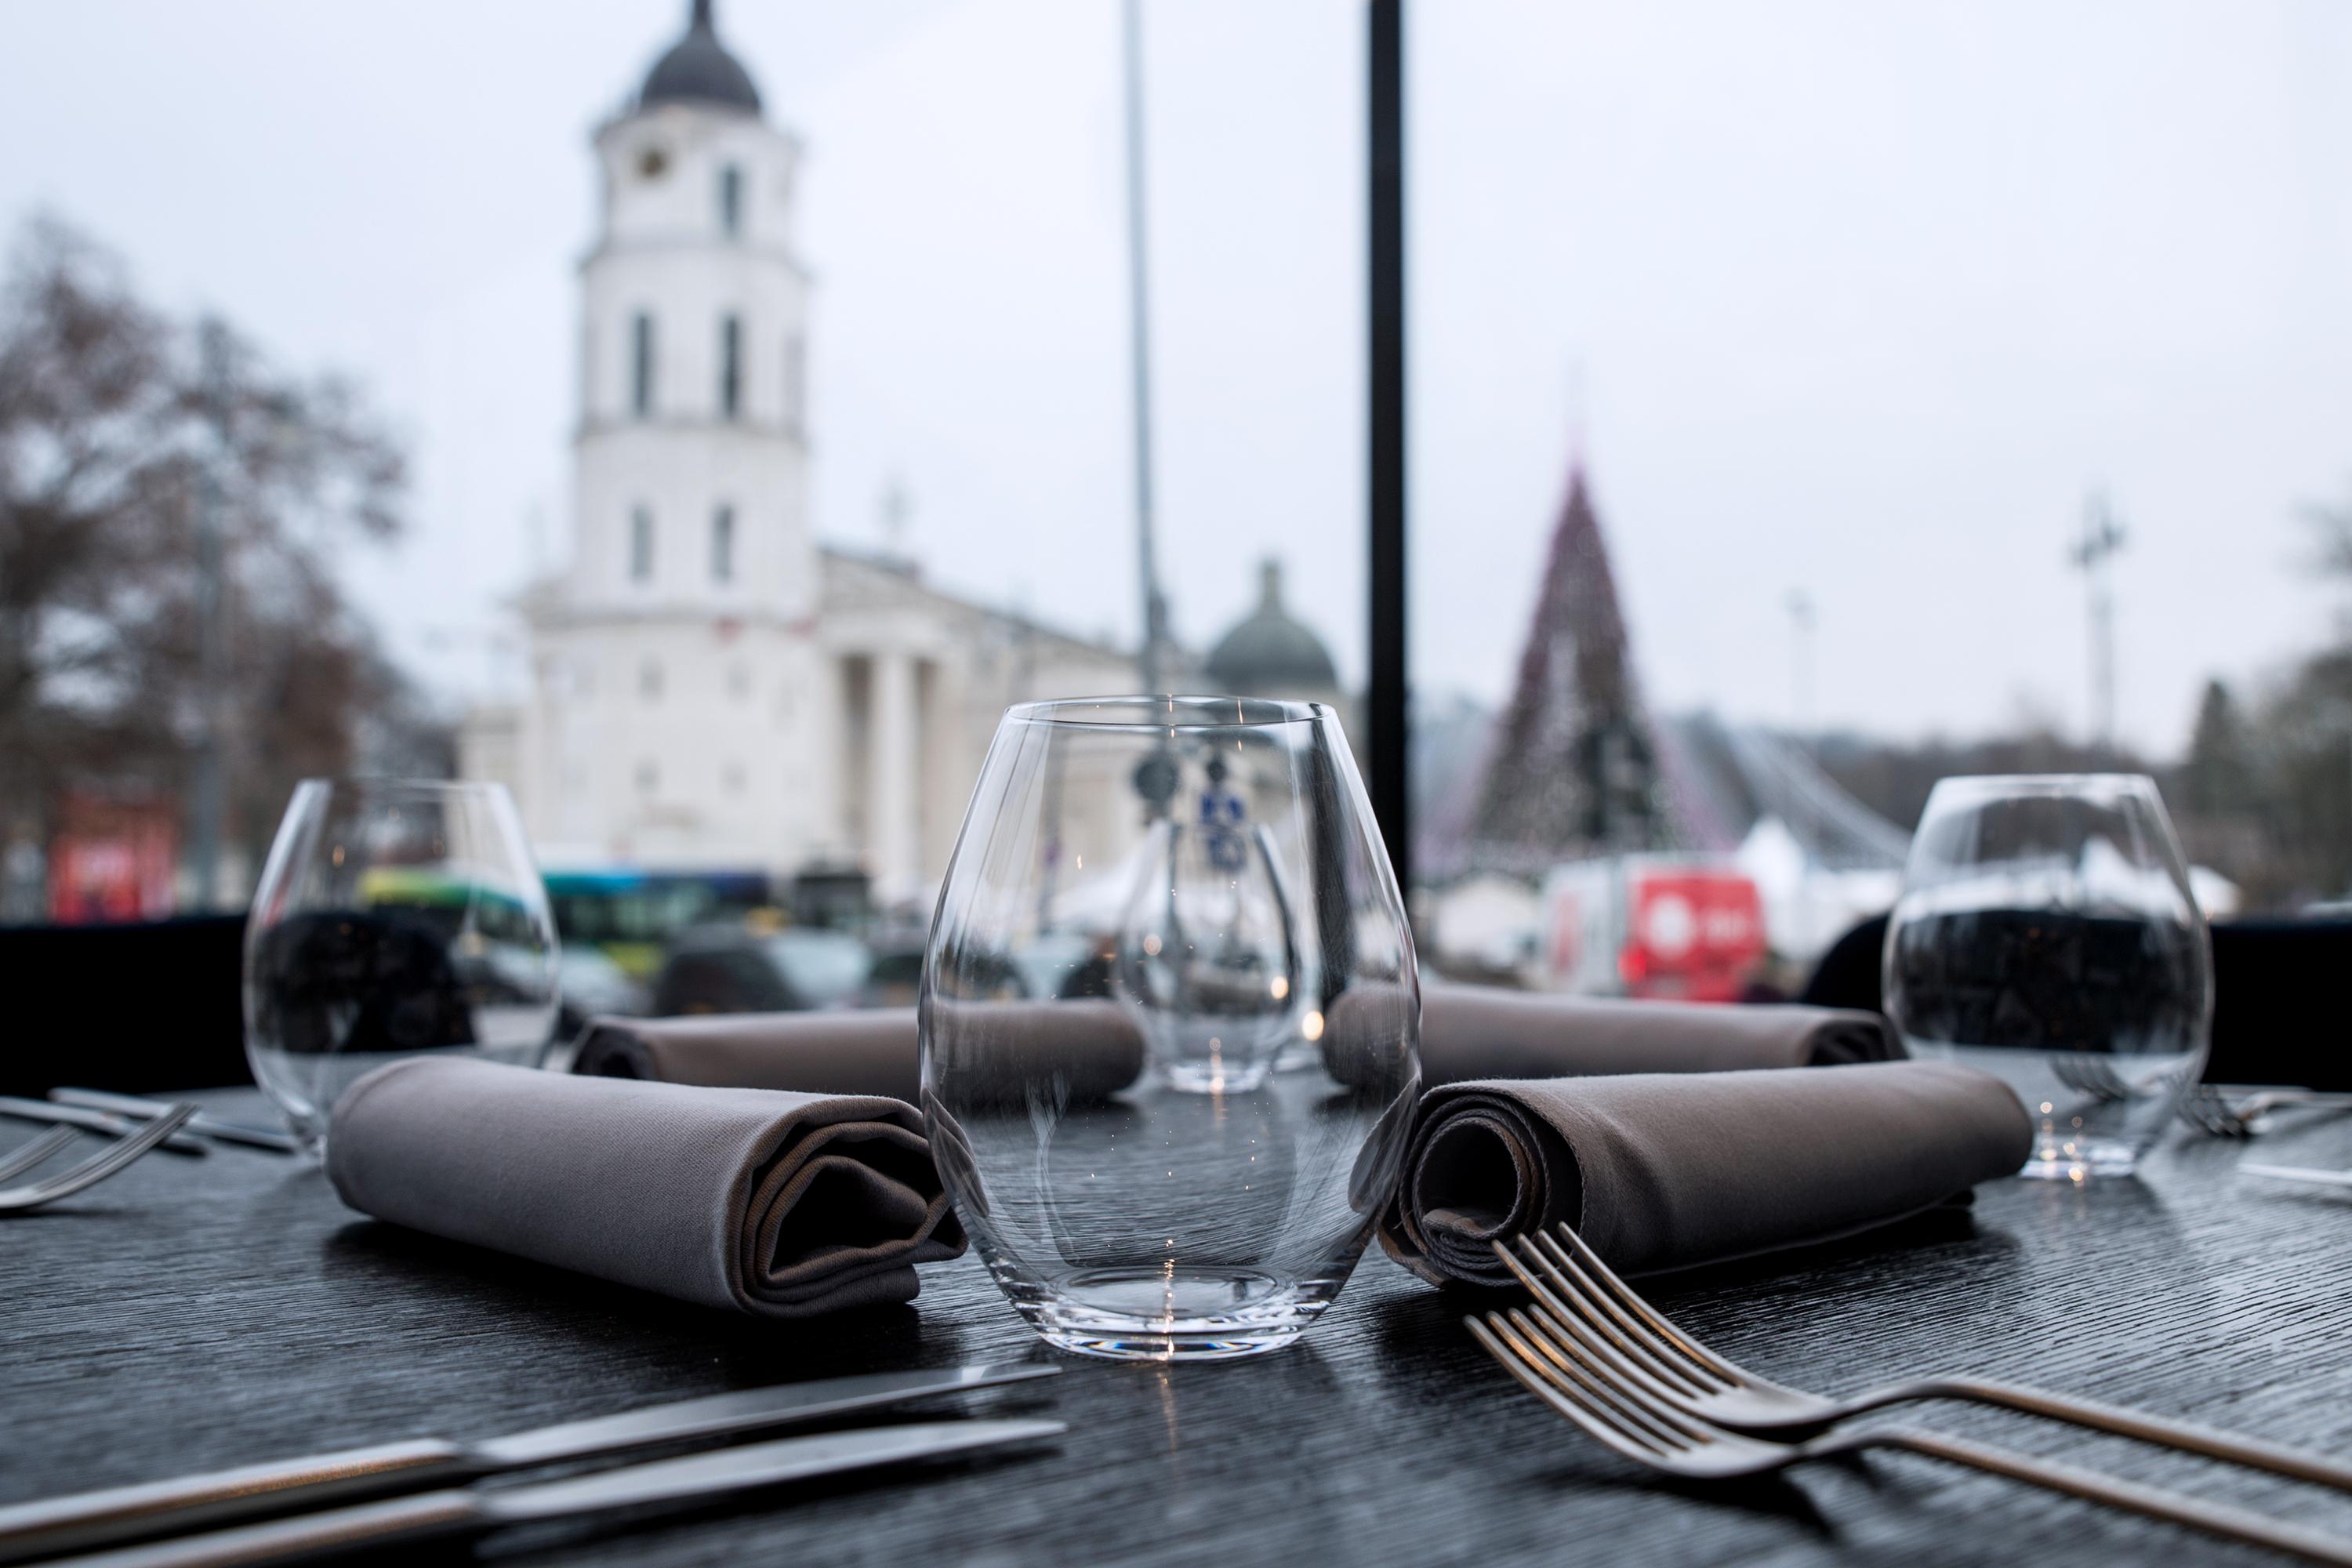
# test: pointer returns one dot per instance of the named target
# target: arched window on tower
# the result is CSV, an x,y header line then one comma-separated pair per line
x,y
730,200
795,381
731,365
641,365
640,544
722,545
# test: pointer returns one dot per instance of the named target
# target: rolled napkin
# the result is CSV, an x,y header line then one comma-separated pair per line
x,y
849,1052
782,1205
1485,1031
1090,1042
1660,1171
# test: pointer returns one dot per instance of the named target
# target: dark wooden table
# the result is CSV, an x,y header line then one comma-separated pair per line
x,y
203,1313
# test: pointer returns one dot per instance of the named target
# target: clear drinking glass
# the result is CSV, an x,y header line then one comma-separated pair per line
x,y
2046,934
395,916
1169,1022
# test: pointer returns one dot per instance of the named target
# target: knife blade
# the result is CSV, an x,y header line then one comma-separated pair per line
x,y
661,1484
143,1109
2301,1173
91,1121
87,1520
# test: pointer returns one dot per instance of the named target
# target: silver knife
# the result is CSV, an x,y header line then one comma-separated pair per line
x,y
87,1520
2301,1173
472,1510
139,1107
91,1121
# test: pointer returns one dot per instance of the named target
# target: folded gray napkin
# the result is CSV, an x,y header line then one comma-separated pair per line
x,y
782,1205
1660,1171
1483,1031
1091,1043
848,1052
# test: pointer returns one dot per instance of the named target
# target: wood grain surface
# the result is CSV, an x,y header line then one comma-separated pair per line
x,y
204,1313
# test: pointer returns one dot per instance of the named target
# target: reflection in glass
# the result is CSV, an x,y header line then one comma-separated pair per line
x,y
1169,1022
1208,952
392,917
2046,934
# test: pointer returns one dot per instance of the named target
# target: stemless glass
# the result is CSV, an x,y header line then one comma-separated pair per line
x,y
1169,1022
2047,933
395,916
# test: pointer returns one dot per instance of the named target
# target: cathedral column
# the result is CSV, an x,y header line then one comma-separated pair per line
x,y
891,781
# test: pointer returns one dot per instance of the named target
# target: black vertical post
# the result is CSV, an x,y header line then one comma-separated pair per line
x,y
1385,700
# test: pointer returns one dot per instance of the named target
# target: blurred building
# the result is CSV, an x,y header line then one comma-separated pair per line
x,y
710,686
1271,653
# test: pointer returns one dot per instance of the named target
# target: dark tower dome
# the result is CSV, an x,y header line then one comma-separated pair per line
x,y
698,69
1269,653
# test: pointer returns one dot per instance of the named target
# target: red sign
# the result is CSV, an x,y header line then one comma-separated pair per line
x,y
112,860
1697,935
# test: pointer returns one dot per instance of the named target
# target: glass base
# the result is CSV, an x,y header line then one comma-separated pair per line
x,y
1203,1076
2078,1158
1172,1314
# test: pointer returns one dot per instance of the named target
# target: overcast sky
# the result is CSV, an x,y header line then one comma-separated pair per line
x,y
1857,298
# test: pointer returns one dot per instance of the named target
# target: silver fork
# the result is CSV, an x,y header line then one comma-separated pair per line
x,y
91,1172
18,1160
1580,1298
1627,1419
2210,1109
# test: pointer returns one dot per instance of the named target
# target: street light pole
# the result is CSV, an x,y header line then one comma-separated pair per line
x,y
2101,537
1155,605
1801,660
208,789
1387,699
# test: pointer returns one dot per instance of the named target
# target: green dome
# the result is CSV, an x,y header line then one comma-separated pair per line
x,y
698,69
1271,653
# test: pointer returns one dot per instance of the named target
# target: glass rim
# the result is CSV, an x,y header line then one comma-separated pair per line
x,y
399,782
1983,785
1171,711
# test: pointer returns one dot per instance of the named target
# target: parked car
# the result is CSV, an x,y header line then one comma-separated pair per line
x,y
736,969
594,986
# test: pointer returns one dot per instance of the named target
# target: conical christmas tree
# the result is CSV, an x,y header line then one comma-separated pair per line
x,y
1574,768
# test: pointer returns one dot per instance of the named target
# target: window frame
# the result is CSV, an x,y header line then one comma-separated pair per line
x,y
644,347
641,543
731,199
723,542
730,365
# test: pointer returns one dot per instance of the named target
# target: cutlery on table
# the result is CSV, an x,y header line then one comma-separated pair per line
x,y
87,1520
1627,1417
90,1173
2299,1174
91,1121
1583,1309
475,1510
2209,1109
139,1107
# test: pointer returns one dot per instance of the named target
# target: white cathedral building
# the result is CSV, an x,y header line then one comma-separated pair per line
x,y
708,685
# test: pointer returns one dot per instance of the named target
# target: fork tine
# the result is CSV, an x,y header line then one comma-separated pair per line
x,y
1575,1334
2211,1113
98,1167
1588,1405
1691,1430
1655,1419
1625,1304
33,1153
1576,1384
1601,1428
1541,1282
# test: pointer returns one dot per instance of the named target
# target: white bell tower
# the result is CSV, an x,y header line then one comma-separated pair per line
x,y
676,678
